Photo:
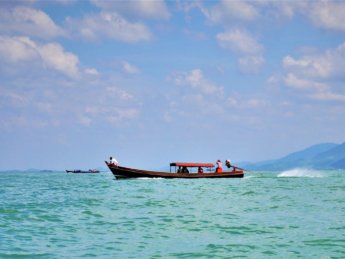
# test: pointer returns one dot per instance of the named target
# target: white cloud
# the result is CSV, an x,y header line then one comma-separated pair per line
x,y
129,68
328,14
316,66
328,96
51,55
91,71
119,116
109,25
292,80
226,11
113,115
119,93
317,74
322,65
242,43
55,57
196,80
241,103
28,21
17,49
138,8
239,41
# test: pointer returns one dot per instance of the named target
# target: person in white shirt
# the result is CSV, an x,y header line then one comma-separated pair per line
x,y
113,161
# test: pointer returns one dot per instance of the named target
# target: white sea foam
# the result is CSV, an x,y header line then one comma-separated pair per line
x,y
301,172
249,176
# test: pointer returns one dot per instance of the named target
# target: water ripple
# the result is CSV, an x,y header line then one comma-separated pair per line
x,y
56,215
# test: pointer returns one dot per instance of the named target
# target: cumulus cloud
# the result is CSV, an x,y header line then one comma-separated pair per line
x,y
323,65
129,68
250,51
51,55
328,14
17,49
197,80
28,21
136,8
54,56
317,73
109,25
226,11
239,41
292,80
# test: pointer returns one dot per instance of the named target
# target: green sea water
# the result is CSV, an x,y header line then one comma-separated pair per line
x,y
293,214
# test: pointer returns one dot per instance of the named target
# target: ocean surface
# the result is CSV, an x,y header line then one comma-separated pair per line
x,y
293,214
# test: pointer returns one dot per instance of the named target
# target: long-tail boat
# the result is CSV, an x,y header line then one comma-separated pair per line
x,y
78,171
177,170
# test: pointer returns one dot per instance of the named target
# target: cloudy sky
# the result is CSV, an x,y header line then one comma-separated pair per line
x,y
151,82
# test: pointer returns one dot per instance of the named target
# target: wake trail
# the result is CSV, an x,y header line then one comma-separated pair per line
x,y
301,172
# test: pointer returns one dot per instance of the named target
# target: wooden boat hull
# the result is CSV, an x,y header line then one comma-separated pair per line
x,y
126,172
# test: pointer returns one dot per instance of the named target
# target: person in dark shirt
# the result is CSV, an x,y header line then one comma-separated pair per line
x,y
185,170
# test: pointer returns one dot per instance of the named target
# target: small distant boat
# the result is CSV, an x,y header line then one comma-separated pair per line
x,y
78,171
126,172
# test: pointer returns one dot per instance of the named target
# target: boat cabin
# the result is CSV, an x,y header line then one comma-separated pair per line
x,y
183,167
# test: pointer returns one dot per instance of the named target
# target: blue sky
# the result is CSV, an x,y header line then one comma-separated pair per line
x,y
151,82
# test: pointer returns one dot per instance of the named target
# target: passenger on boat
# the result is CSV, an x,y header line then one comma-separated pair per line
x,y
200,170
179,170
185,170
112,161
219,168
228,163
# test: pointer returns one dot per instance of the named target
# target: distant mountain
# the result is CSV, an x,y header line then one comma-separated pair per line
x,y
320,156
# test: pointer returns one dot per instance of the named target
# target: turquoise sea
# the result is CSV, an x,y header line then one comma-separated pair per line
x,y
293,214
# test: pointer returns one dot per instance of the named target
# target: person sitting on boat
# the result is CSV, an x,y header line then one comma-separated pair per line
x,y
179,170
228,163
200,170
185,170
112,161
219,168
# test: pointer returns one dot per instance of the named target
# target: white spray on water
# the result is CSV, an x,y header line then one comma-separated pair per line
x,y
301,172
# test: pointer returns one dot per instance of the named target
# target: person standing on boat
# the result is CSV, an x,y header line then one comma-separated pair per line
x,y
200,170
228,163
219,168
112,161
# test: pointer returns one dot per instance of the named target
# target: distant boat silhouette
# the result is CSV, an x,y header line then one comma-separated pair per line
x,y
78,171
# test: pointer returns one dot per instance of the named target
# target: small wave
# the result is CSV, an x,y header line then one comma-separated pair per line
x,y
301,172
149,178
249,176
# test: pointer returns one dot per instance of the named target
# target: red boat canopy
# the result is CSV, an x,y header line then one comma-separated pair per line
x,y
192,164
